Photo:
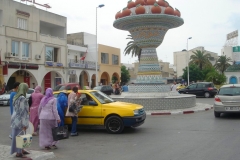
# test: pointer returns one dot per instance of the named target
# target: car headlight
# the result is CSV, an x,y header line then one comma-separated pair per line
x,y
136,112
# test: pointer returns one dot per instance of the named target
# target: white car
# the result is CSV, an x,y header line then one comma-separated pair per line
x,y
4,99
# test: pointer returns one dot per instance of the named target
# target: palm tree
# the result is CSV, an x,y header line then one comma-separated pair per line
x,y
201,59
222,63
132,48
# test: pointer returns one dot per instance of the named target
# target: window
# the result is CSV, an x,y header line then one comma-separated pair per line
x,y
52,54
25,49
201,85
104,58
15,48
192,86
115,59
22,23
76,59
229,91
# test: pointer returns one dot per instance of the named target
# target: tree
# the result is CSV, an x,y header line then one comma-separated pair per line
x,y
195,73
216,77
114,79
125,76
201,59
222,63
132,48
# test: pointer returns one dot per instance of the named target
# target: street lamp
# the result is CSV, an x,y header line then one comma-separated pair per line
x,y
188,58
100,6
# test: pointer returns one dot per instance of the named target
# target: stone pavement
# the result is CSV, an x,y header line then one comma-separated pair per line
x,y
35,155
198,108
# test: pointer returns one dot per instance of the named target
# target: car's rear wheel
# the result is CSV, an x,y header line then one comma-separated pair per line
x,y
217,114
114,124
207,95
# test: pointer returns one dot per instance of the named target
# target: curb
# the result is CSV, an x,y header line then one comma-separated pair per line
x,y
174,112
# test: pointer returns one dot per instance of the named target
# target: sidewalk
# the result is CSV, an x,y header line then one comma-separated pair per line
x,y
35,155
200,107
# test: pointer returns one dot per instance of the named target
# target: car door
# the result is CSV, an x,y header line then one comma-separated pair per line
x,y
200,89
191,89
90,114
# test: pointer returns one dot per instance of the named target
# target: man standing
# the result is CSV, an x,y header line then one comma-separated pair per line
x,y
174,87
13,93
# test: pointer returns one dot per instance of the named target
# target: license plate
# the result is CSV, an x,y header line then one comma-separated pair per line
x,y
232,108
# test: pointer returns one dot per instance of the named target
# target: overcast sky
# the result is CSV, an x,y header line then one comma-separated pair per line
x,y
206,21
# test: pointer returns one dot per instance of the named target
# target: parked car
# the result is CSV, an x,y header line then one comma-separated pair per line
x,y
181,86
205,89
105,89
66,86
100,110
227,100
4,99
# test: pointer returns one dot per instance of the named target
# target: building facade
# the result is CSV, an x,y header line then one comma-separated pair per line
x,y
181,59
33,45
233,72
82,61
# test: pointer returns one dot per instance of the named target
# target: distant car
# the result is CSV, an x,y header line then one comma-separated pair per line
x,y
4,99
66,86
105,89
227,100
205,89
181,86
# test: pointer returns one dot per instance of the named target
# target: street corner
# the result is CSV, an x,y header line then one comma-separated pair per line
x,y
35,155
198,108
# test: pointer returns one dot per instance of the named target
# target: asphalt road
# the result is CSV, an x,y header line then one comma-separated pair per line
x,y
198,136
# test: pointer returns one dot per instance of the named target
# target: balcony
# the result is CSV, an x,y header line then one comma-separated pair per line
x,y
52,40
91,65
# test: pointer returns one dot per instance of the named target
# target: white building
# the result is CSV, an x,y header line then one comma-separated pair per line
x,y
181,58
232,51
33,45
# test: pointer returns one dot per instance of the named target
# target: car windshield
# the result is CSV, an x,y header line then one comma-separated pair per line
x,y
97,88
57,88
229,91
101,97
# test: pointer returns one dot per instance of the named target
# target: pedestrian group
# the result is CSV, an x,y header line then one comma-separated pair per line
x,y
43,111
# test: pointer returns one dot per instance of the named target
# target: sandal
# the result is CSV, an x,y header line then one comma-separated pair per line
x,y
19,155
47,148
25,152
54,147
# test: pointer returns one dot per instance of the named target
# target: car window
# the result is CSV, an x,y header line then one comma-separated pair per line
x,y
109,87
97,88
57,87
30,91
101,97
229,91
68,88
201,85
192,86
104,88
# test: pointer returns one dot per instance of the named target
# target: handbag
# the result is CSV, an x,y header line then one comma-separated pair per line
x,y
23,141
60,133
72,107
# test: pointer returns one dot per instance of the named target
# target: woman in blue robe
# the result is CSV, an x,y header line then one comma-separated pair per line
x,y
62,104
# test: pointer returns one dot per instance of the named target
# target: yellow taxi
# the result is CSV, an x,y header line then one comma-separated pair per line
x,y
100,110
181,86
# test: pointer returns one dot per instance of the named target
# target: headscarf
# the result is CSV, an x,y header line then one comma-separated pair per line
x,y
22,90
48,96
38,89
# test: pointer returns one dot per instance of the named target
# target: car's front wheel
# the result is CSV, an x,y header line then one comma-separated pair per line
x,y
207,95
114,124
217,114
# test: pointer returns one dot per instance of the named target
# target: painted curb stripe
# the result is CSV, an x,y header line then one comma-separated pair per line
x,y
188,112
155,114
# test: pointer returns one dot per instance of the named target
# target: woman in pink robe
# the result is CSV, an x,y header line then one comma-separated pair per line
x,y
36,99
